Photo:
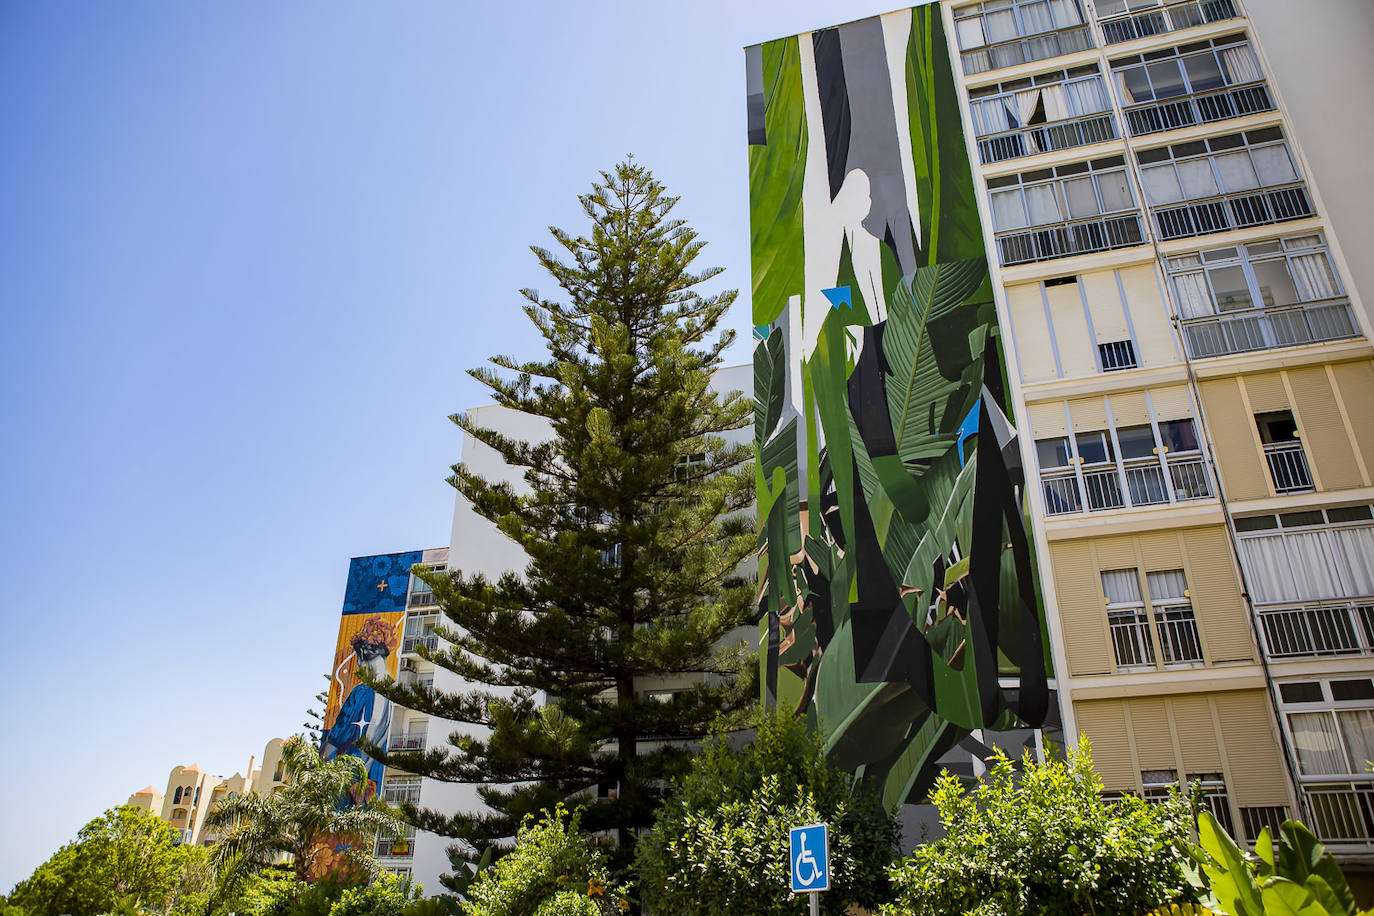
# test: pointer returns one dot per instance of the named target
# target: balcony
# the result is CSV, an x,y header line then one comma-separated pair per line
x,y
1161,20
1204,108
1025,50
1316,630
1046,138
1189,477
409,643
1068,239
403,792
422,599
1264,329
1145,485
1288,467
1341,812
1178,637
414,741
396,847
1131,640
1232,211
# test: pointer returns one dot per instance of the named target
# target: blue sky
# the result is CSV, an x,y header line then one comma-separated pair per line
x,y
247,252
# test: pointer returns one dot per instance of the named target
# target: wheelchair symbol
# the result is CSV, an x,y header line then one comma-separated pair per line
x,y
805,864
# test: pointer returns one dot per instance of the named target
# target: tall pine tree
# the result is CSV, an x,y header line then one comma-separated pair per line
x,y
635,526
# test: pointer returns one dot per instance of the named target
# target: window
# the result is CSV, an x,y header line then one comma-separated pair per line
x,y
1159,784
1168,89
987,32
1284,453
1214,797
419,631
1155,469
1125,20
421,595
1233,167
1173,611
176,796
1052,111
1129,618
1331,725
1066,194
1116,354
280,772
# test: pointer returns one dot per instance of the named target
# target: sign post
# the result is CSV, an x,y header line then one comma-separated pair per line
x,y
809,851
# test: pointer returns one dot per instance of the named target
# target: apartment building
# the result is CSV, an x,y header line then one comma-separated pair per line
x,y
1187,370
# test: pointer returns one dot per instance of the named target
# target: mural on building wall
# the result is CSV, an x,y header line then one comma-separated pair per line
x,y
369,636
898,600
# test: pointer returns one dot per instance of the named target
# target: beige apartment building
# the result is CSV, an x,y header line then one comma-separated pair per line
x,y
1190,351
192,793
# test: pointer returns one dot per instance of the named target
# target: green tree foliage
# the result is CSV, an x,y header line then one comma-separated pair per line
x,y
125,855
303,820
720,844
552,871
1291,873
1044,841
634,524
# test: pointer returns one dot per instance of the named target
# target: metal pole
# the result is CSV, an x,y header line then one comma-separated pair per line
x,y
815,903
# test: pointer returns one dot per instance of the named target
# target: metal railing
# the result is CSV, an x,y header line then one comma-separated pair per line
x,y
1046,138
1189,477
1116,354
1232,211
1318,629
1341,812
1288,467
1178,637
1131,639
1067,239
1104,488
422,599
407,742
1145,483
1203,108
1025,50
1257,818
1263,329
429,641
1168,18
1061,493
396,847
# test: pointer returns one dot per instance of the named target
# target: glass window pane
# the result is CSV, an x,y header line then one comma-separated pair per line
x,y
970,32
1081,198
1135,85
1052,453
1314,278
1007,212
1275,285
1000,26
1178,435
1273,165
1197,179
1237,174
1036,18
1066,13
1167,585
1136,441
1203,72
1121,586
1042,204
1094,448
1314,736
1194,299
1357,728
1230,288
1115,191
1109,7
1161,184
1167,79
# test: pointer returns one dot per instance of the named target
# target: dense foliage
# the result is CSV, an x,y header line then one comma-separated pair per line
x,y
125,856
552,871
1043,840
720,844
634,524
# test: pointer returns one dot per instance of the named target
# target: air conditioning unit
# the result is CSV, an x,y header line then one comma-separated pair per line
x,y
407,664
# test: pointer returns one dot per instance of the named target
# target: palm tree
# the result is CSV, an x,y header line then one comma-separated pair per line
x,y
312,819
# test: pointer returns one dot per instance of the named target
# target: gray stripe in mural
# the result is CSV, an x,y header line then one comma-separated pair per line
x,y
753,83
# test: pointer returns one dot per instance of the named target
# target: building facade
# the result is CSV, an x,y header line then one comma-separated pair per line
x,y
1074,394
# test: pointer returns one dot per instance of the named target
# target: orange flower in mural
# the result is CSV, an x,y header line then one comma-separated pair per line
x,y
376,633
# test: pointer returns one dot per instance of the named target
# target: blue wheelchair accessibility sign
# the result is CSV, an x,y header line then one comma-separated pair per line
x,y
810,854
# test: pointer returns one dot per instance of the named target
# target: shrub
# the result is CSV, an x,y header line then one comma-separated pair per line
x,y
1044,841
720,845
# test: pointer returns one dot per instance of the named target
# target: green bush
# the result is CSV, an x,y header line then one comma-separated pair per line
x,y
1044,841
568,903
551,862
720,844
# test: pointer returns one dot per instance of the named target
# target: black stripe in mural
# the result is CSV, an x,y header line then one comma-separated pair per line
x,y
834,104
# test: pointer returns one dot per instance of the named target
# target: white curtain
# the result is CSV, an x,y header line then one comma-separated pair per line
x,y
1035,18
1056,105
1267,569
1121,586
1007,211
1273,165
1161,184
1066,13
1026,101
1000,26
1194,299
1167,585
990,116
1042,204
1357,727
1115,191
1355,546
1313,565
1312,274
1197,179
1237,173
970,32
1240,65
1080,198
1317,743
1086,96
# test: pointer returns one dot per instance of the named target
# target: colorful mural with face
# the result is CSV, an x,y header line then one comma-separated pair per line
x,y
898,599
369,637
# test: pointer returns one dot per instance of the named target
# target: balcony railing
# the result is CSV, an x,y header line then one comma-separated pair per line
x,y
396,847
1169,18
1263,329
1068,239
1189,477
422,599
1116,354
1145,485
1341,812
408,742
1288,467
1178,638
1232,211
406,792
1025,50
1131,640
1046,138
1309,630
408,643
1204,108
